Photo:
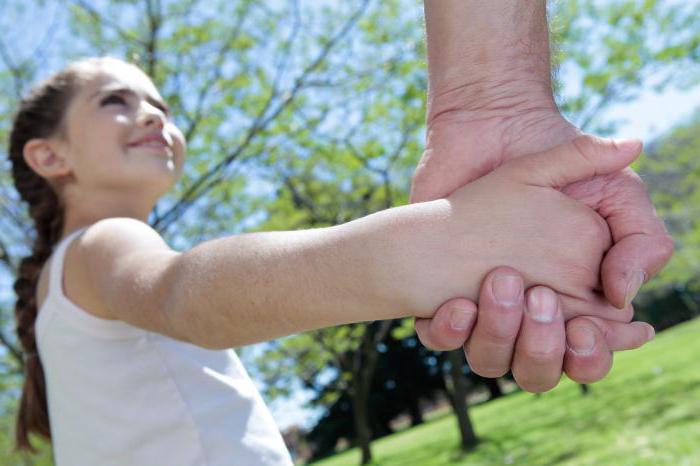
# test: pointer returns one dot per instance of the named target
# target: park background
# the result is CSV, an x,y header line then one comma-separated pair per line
x,y
303,114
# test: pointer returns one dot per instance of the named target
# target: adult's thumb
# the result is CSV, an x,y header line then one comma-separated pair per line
x,y
582,158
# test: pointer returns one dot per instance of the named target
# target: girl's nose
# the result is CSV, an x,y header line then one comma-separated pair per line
x,y
152,116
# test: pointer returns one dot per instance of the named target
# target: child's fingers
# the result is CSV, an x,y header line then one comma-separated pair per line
x,y
490,348
588,357
449,327
539,353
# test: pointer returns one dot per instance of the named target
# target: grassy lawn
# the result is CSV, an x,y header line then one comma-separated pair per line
x,y
646,412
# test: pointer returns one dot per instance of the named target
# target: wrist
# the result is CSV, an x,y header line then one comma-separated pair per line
x,y
487,55
407,263
501,96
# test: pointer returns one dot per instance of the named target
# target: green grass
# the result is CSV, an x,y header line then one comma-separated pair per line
x,y
646,412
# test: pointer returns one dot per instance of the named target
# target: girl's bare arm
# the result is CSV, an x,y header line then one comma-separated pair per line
x,y
239,289
395,263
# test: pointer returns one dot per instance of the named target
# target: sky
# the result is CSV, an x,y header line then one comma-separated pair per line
x,y
645,118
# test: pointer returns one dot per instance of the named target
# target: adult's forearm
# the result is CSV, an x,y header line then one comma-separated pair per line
x,y
481,50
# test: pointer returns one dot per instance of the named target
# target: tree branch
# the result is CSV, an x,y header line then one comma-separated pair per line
x,y
207,181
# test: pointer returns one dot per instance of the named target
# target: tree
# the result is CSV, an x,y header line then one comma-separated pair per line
x,y
671,169
306,114
234,73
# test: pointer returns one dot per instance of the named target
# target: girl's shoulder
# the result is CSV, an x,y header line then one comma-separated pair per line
x,y
88,256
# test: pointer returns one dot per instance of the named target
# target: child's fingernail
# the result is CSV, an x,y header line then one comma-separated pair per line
x,y
580,340
460,318
633,284
542,305
507,289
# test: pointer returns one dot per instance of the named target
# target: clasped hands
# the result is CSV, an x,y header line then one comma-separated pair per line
x,y
526,322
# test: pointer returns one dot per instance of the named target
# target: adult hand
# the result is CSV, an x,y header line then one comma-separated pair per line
x,y
467,142
509,335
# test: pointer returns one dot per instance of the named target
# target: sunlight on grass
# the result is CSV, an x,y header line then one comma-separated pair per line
x,y
643,413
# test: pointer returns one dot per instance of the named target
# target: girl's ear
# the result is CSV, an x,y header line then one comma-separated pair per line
x,y
41,156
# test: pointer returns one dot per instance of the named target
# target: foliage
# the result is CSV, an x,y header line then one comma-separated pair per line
x,y
642,414
309,114
670,168
611,50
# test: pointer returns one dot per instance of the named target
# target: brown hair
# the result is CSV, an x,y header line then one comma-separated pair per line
x,y
41,114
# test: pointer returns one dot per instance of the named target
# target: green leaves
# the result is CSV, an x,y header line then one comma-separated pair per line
x,y
670,168
614,49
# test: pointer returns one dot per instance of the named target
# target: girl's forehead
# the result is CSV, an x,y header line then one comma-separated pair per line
x,y
118,78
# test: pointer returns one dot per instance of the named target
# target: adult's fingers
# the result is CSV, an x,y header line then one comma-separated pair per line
x,y
489,350
539,353
588,357
595,304
590,342
449,327
641,243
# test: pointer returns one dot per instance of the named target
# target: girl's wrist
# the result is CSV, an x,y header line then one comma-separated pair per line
x,y
396,257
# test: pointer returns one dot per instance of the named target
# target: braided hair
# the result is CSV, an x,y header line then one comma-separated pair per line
x,y
41,114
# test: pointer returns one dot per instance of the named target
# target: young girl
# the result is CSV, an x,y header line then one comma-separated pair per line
x,y
135,338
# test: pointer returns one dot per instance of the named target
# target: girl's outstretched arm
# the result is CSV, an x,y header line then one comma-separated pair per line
x,y
234,290
395,263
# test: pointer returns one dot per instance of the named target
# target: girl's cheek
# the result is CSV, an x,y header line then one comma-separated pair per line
x,y
122,120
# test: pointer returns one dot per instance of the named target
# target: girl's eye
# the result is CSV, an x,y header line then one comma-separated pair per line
x,y
114,98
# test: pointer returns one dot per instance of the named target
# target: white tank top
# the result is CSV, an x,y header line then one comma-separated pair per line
x,y
122,395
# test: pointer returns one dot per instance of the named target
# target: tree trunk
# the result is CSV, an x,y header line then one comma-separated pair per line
x,y
494,388
362,429
415,412
457,385
363,366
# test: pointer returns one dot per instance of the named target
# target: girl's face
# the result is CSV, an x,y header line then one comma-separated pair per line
x,y
119,136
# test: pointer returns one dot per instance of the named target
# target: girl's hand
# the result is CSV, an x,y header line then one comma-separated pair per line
x,y
509,333
518,217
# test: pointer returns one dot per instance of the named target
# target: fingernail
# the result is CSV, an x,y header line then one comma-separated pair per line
x,y
542,305
459,318
580,340
633,284
507,289
651,333
628,145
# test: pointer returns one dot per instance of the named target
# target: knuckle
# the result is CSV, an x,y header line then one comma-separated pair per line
x,y
544,356
666,246
632,177
583,148
626,314
594,229
499,336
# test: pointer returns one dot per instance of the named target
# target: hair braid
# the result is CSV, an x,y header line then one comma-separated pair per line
x,y
40,115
